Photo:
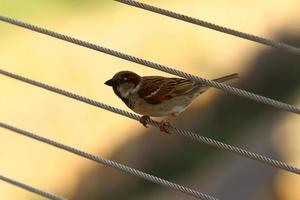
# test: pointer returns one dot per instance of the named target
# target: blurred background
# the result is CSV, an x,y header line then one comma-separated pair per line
x,y
215,114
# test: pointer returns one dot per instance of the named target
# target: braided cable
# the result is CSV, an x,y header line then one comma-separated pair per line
x,y
171,129
31,189
110,163
232,90
247,36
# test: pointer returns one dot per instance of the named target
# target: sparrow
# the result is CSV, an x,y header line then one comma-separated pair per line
x,y
157,96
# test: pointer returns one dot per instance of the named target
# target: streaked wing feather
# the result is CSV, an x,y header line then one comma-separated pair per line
x,y
157,89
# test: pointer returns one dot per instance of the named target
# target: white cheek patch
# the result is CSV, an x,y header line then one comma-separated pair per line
x,y
136,89
123,92
126,89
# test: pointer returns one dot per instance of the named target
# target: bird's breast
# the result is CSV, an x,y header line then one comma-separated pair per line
x,y
169,107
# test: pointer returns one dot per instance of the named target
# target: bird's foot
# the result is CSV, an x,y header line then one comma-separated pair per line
x,y
144,119
163,126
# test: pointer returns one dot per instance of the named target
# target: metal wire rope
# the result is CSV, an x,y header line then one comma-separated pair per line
x,y
247,36
232,90
31,189
110,163
199,138
171,129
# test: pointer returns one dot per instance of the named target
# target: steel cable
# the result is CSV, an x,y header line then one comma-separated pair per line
x,y
171,129
247,36
31,189
110,163
232,90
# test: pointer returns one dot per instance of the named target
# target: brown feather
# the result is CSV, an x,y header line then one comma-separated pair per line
x,y
227,78
157,89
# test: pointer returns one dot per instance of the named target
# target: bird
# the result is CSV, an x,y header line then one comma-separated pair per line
x,y
158,96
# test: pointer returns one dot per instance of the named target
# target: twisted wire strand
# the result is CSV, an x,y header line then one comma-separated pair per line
x,y
247,36
232,90
110,163
171,129
31,189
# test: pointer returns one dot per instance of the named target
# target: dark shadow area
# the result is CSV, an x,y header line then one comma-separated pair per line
x,y
226,118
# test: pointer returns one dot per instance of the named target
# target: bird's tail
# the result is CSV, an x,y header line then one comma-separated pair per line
x,y
202,88
226,78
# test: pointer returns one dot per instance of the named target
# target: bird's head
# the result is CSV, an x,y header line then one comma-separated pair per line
x,y
123,83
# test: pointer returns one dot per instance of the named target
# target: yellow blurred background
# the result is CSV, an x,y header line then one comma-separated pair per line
x,y
167,41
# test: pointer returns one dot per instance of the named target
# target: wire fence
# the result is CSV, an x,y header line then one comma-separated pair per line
x,y
31,189
261,40
232,90
171,129
110,163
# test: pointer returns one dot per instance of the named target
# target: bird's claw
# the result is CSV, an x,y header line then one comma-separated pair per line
x,y
163,126
143,120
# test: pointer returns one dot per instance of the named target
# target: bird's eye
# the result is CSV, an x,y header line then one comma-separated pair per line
x,y
125,78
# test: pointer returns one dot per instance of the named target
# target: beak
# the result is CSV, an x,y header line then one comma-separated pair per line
x,y
110,82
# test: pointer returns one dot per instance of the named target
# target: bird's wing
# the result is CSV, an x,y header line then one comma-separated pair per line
x,y
155,89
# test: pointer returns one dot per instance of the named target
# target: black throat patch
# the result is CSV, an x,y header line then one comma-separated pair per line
x,y
124,99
